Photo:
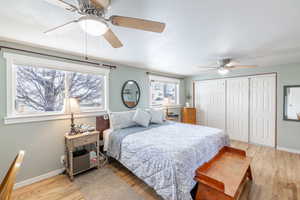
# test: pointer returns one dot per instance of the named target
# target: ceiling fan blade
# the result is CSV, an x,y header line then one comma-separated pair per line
x,y
63,4
101,3
60,26
112,39
241,66
141,24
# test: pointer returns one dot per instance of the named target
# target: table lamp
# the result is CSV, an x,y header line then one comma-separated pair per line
x,y
167,103
72,107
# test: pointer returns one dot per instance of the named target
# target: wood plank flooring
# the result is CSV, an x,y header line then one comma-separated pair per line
x,y
58,188
276,177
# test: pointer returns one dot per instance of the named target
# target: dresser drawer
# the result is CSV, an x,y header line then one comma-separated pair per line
x,y
188,115
84,140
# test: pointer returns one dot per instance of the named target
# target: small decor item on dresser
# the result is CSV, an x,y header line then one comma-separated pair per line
x,y
187,104
72,107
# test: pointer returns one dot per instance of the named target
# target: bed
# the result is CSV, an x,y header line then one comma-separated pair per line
x,y
165,156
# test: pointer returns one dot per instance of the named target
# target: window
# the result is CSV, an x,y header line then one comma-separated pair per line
x,y
38,87
164,91
38,90
88,89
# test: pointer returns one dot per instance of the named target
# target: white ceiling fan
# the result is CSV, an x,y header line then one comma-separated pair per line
x,y
223,66
94,22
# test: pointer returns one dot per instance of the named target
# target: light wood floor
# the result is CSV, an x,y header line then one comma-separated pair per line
x,y
276,177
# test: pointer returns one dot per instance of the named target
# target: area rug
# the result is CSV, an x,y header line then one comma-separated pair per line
x,y
103,184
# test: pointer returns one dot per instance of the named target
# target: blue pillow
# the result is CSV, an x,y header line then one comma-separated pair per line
x,y
142,118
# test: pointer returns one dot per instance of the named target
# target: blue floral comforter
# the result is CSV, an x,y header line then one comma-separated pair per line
x,y
166,156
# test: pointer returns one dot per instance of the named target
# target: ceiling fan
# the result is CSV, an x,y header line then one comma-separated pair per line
x,y
227,64
94,22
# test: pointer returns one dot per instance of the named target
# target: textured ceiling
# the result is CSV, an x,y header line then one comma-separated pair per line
x,y
262,32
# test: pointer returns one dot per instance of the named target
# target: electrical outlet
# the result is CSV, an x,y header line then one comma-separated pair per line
x,y
62,159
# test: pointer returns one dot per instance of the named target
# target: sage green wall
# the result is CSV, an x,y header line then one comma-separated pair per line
x,y
44,141
121,75
118,78
288,133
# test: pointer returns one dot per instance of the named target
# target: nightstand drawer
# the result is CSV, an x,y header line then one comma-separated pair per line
x,y
85,140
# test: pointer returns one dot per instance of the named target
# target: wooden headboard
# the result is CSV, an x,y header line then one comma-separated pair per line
x,y
102,123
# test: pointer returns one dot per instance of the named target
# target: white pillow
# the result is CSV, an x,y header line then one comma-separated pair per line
x,y
157,116
119,120
142,118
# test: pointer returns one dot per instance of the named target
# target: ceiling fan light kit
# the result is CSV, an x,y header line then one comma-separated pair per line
x,y
94,22
223,71
224,66
93,25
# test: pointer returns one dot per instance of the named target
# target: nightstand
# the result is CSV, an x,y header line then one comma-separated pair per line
x,y
77,152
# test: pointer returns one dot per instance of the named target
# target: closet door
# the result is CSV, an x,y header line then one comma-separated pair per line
x,y
216,105
210,103
201,97
237,109
263,110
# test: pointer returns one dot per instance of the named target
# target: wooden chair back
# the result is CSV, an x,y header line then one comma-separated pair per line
x,y
8,182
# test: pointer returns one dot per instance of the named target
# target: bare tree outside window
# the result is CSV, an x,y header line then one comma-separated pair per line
x,y
87,88
41,90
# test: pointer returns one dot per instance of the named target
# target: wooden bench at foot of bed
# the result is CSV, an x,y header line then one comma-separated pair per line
x,y
224,176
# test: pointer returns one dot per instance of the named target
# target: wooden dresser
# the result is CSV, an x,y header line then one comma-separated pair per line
x,y
188,115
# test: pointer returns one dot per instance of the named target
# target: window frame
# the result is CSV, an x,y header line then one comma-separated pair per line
x,y
19,59
163,79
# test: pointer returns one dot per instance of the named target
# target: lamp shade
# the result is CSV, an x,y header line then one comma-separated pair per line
x,y
72,106
167,101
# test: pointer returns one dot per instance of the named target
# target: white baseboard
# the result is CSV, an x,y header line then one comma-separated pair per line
x,y
288,150
39,178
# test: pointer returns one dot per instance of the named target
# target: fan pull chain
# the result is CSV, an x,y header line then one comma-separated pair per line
x,y
85,43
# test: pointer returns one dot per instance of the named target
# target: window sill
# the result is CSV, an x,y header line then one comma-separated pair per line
x,y
169,106
48,117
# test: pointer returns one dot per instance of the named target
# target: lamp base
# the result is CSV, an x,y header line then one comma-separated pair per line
x,y
72,130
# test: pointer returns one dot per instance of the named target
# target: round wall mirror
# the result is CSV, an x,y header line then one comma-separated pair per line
x,y
131,94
